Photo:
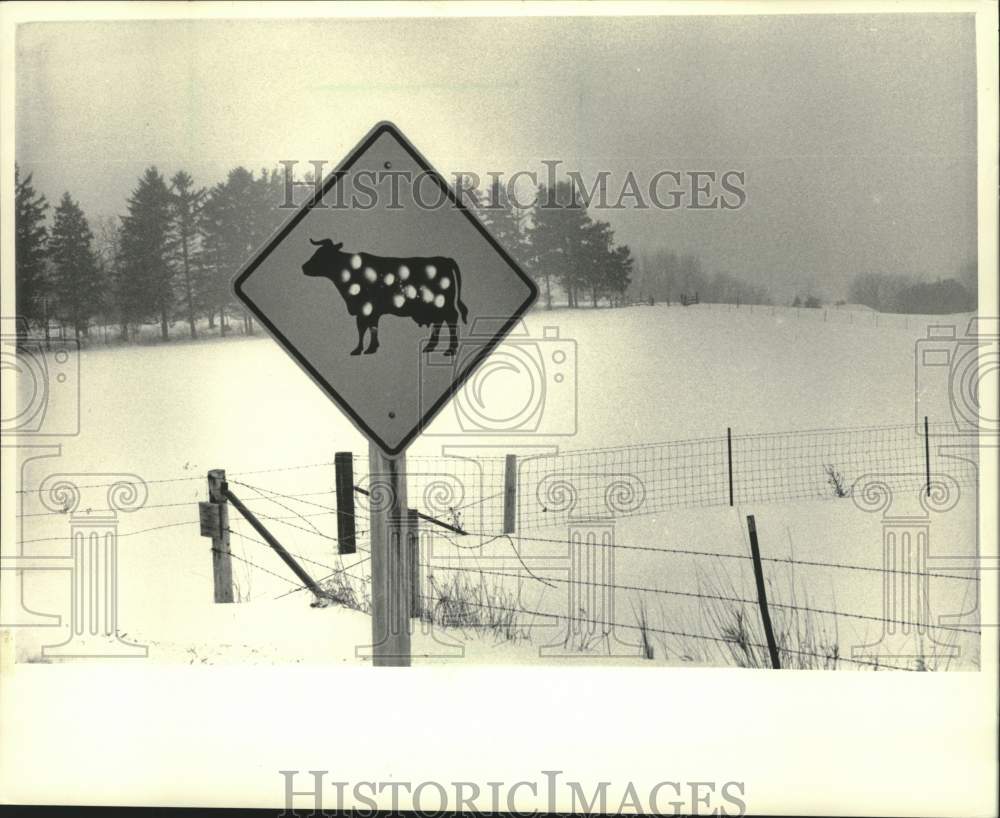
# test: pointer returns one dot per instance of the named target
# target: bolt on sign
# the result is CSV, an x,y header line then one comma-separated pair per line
x,y
385,289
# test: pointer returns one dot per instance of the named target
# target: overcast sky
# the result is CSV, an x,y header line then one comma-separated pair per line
x,y
856,133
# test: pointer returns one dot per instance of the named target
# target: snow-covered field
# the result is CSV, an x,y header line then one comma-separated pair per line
x,y
168,413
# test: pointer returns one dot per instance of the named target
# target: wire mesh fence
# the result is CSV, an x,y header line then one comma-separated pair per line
x,y
468,493
728,470
738,469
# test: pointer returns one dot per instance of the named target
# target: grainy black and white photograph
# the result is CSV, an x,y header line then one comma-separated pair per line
x,y
653,342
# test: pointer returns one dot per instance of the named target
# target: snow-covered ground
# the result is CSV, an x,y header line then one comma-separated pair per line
x,y
168,413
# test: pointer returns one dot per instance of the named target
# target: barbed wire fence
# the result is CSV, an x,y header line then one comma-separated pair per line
x,y
469,494
445,603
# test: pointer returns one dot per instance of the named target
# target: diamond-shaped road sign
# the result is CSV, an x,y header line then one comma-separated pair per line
x,y
380,287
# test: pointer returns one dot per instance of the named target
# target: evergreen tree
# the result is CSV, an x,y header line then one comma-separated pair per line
x,y
265,216
107,241
237,217
30,240
620,271
146,252
598,238
232,222
559,220
211,290
504,221
76,277
186,202
606,270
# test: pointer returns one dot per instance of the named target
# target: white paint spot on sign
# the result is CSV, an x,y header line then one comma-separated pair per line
x,y
345,275
356,261
439,301
389,279
354,289
445,283
431,271
404,272
366,309
398,301
370,274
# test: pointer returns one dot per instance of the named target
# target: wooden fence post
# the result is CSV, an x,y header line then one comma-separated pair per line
x,y
729,458
762,594
218,529
343,466
390,586
413,562
510,494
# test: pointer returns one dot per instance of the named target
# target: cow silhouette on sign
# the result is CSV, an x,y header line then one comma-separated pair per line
x,y
428,290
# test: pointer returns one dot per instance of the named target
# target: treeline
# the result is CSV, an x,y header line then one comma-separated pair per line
x,y
900,293
667,276
173,253
559,244
170,256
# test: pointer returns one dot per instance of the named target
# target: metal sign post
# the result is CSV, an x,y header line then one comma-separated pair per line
x,y
390,581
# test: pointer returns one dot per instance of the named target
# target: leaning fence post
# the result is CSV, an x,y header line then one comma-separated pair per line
x,y
762,594
413,558
271,540
510,494
215,524
729,458
343,468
